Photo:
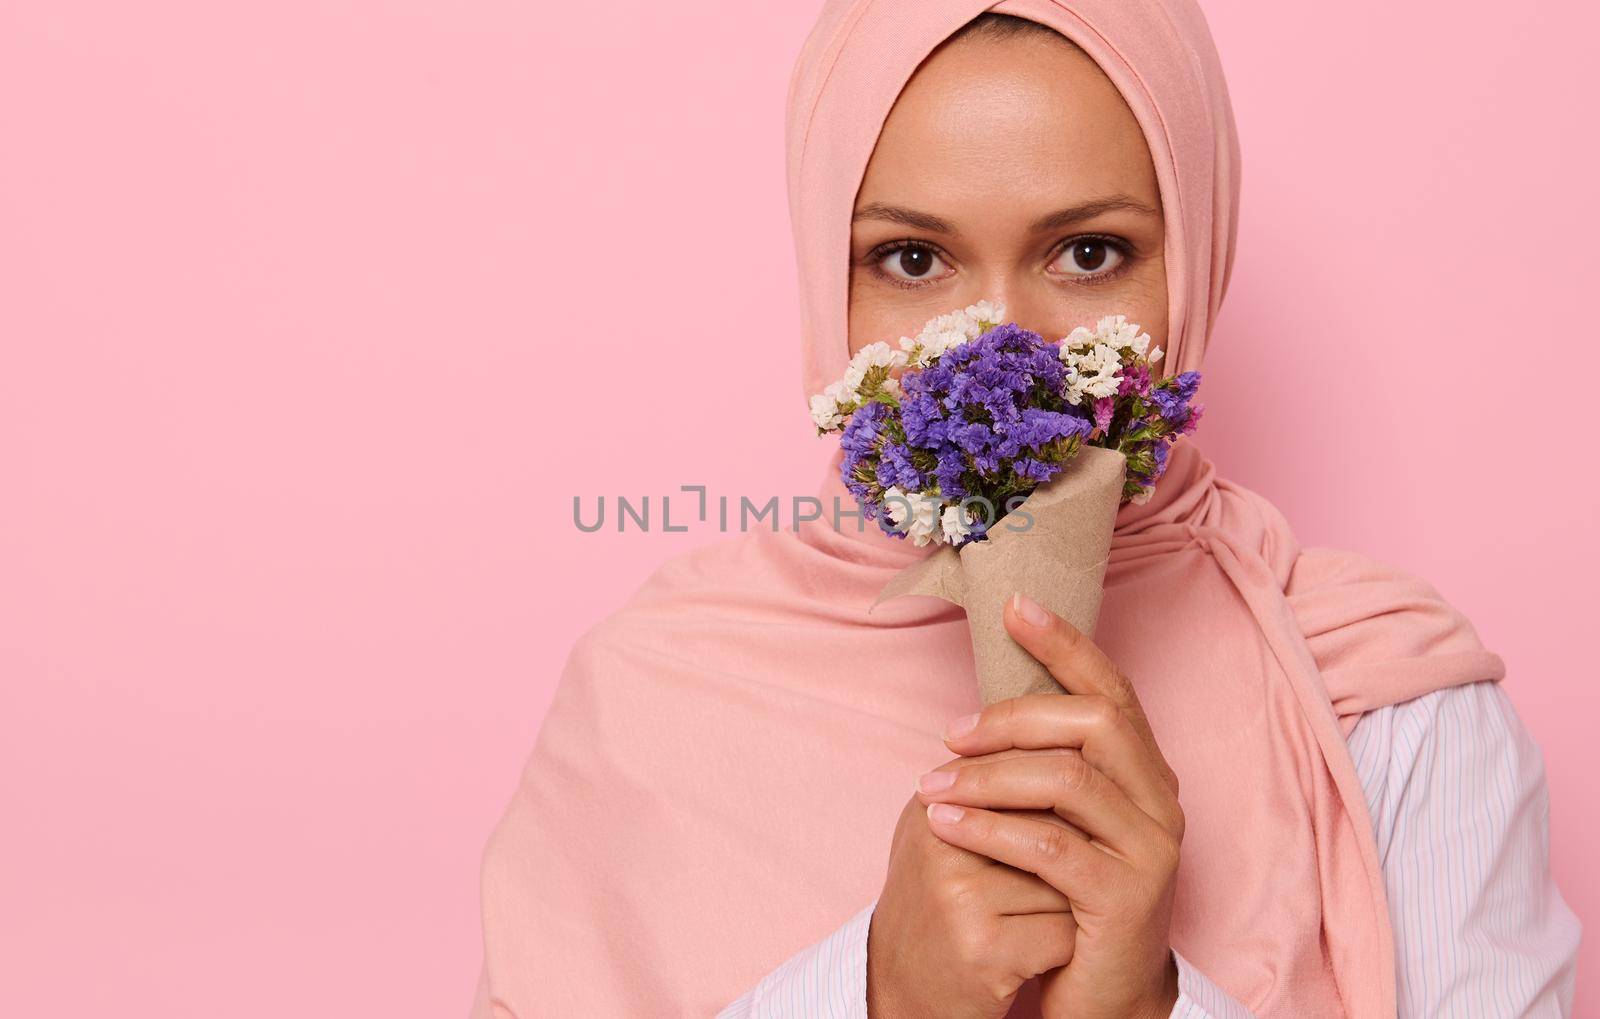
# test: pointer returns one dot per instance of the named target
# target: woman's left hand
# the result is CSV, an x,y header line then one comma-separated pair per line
x,y
1108,778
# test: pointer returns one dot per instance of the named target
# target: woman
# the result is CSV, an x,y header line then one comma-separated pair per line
x,y
745,792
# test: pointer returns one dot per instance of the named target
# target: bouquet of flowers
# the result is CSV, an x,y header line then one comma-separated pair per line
x,y
1013,453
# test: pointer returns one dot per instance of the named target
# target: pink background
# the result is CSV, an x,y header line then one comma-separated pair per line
x,y
292,298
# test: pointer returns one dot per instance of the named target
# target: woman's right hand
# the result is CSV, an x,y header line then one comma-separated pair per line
x,y
955,933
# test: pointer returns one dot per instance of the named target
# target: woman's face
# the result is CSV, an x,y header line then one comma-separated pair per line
x,y
1008,169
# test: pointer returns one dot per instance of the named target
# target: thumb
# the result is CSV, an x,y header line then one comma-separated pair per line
x,y
1072,658
1076,662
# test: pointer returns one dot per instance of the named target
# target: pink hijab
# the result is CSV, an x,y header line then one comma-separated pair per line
x,y
720,773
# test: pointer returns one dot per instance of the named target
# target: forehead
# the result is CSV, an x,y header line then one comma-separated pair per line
x,y
994,123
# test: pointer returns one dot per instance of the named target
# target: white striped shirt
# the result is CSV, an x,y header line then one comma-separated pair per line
x,y
1455,785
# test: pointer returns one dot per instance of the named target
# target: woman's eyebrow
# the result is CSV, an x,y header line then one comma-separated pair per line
x,y
1052,221
905,217
1090,209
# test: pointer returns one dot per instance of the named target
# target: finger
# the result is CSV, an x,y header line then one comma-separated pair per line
x,y
1074,660
1012,892
1064,783
1038,942
1077,868
1093,723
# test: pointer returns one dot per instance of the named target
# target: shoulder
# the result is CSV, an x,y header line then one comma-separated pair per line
x,y
1461,814
1379,634
726,578
693,628
1461,750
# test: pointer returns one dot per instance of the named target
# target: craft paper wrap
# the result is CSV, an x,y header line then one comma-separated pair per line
x,y
1058,560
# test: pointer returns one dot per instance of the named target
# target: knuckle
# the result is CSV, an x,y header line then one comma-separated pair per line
x,y
975,780
1050,844
1119,686
1073,775
958,892
960,906
998,987
972,944
1070,640
999,714
1101,712
1166,853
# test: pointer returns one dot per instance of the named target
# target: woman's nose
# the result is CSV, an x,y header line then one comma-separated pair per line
x,y
1026,309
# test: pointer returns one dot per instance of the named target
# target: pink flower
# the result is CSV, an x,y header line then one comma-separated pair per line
x,y
1135,379
1103,409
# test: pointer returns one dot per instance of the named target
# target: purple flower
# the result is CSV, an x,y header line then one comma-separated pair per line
x,y
895,469
1035,470
951,472
860,443
1170,404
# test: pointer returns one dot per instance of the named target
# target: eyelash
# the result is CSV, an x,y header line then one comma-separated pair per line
x,y
874,259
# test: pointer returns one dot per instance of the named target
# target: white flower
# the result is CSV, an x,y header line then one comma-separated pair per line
x,y
842,393
956,523
913,513
829,407
825,412
932,345
1095,372
942,332
878,355
951,322
1115,331
872,357
987,313
1079,337
896,506
924,520
1074,386
854,375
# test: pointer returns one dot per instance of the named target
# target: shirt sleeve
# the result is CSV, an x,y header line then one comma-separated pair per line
x,y
1199,998
1459,805
827,980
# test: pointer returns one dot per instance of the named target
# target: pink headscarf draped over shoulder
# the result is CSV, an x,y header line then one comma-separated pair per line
x,y
720,773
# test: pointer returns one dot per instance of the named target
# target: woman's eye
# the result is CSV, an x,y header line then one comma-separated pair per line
x,y
1088,256
912,263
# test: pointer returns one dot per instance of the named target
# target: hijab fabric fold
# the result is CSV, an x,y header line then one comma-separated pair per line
x,y
718,778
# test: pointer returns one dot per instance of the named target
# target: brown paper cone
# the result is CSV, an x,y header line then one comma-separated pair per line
x,y
1058,560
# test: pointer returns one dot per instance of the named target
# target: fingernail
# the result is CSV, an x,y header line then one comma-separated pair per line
x,y
944,813
1031,611
961,726
936,781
